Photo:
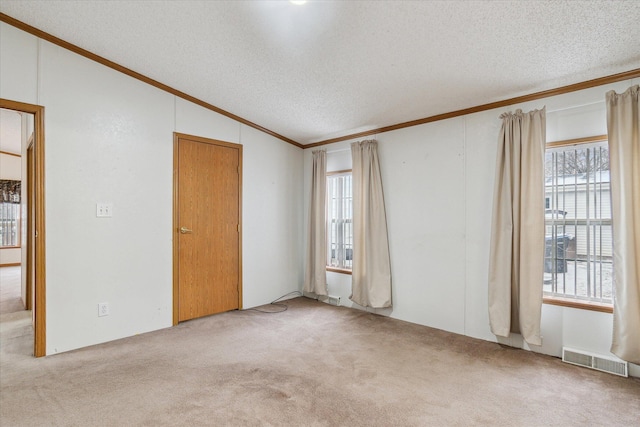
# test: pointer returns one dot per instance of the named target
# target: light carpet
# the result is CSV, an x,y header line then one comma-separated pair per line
x,y
312,365
10,290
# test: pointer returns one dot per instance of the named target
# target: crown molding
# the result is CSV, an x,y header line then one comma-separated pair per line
x,y
631,74
108,63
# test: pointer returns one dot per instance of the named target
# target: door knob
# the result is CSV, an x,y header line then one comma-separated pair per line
x,y
185,230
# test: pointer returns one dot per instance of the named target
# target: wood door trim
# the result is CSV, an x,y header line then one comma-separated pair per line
x,y
174,231
178,135
30,231
10,154
39,311
175,234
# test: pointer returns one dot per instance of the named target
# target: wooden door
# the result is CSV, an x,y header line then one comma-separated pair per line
x,y
207,209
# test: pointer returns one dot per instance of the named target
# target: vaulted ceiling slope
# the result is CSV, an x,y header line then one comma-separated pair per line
x,y
332,68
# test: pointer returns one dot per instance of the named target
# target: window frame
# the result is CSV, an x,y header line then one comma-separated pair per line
x,y
564,301
18,208
328,267
18,220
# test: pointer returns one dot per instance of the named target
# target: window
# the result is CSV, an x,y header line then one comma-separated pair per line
x,y
339,221
578,232
9,213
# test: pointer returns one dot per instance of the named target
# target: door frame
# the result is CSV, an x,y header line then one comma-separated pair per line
x,y
30,223
38,187
176,226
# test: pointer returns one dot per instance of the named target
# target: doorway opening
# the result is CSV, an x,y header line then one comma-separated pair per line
x,y
22,236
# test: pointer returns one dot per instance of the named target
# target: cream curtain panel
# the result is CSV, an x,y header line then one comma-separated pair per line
x,y
517,228
371,272
623,127
315,278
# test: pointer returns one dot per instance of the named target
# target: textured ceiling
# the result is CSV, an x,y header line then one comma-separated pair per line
x,y
326,69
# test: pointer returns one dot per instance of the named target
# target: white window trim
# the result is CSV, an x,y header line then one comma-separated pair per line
x,y
568,301
340,267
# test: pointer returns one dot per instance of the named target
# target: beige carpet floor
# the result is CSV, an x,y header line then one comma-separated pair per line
x,y
10,290
312,365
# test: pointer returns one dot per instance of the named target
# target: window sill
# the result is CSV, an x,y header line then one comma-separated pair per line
x,y
339,270
573,303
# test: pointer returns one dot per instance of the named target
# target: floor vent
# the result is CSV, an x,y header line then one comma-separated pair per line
x,y
333,300
595,361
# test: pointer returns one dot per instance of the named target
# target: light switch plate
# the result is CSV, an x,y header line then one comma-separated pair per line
x,y
103,309
104,210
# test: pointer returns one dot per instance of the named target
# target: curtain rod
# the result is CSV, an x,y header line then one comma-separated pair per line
x,y
338,151
576,106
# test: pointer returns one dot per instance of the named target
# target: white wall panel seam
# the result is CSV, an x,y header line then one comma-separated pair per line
x,y
466,241
38,70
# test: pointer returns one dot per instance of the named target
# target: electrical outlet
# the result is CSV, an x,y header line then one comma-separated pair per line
x,y
333,300
103,309
104,210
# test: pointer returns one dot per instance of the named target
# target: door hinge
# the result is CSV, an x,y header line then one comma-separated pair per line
x,y
238,228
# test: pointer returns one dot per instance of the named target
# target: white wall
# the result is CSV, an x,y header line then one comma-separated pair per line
x,y
10,167
109,138
19,65
10,256
438,186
